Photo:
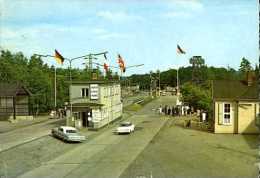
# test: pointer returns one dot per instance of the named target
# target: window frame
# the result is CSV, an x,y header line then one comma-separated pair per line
x,y
84,92
230,114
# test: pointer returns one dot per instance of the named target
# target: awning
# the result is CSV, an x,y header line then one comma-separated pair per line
x,y
82,107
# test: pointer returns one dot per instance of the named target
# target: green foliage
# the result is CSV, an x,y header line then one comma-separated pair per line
x,y
39,79
245,66
169,77
198,96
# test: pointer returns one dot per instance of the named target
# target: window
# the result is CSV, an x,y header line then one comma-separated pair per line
x,y
71,131
2,102
84,92
227,114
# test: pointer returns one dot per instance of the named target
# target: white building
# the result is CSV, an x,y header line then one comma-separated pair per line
x,y
94,103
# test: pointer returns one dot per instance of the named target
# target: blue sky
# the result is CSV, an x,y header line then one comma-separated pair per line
x,y
143,32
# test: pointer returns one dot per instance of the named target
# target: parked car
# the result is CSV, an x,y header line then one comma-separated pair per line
x,y
68,134
125,127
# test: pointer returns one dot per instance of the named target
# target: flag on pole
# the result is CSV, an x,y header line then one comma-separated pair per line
x,y
121,63
59,58
180,51
106,67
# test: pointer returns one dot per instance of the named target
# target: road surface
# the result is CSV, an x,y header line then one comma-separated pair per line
x,y
104,154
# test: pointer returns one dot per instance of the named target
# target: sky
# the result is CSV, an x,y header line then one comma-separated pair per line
x,y
141,31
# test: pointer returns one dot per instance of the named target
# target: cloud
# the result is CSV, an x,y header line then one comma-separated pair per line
x,y
118,16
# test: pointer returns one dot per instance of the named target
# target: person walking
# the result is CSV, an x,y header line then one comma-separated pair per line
x,y
173,111
160,110
165,109
169,110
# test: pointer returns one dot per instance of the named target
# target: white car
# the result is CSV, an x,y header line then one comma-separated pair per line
x,y
125,127
68,134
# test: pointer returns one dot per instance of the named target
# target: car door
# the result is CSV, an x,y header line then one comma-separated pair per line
x,y
60,132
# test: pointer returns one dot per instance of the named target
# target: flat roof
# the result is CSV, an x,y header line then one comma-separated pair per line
x,y
95,82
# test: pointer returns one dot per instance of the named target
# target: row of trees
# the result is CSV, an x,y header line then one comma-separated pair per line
x,y
195,80
38,77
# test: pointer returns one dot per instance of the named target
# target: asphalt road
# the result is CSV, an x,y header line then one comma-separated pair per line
x,y
26,134
104,154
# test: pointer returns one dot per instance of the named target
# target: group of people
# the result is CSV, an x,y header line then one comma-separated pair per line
x,y
174,110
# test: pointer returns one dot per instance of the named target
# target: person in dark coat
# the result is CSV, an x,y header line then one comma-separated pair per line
x,y
169,110
173,111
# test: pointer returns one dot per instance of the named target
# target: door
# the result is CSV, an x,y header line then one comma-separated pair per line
x,y
88,115
84,119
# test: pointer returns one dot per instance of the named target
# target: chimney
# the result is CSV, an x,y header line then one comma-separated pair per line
x,y
249,78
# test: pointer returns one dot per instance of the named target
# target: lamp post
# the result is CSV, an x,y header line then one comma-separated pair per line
x,y
70,60
159,81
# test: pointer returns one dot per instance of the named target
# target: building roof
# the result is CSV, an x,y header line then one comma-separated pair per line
x,y
235,90
96,82
12,89
86,104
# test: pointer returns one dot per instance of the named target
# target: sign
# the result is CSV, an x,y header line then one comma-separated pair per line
x,y
93,91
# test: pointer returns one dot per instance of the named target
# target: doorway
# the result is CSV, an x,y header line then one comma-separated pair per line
x,y
85,118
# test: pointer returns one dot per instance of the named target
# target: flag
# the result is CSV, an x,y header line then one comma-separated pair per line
x,y
106,67
121,63
179,50
59,58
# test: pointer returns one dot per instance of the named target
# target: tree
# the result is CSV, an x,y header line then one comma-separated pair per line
x,y
197,96
245,66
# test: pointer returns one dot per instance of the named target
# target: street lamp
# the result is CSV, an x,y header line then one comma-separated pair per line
x,y
70,60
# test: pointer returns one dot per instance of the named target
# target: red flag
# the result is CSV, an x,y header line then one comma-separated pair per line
x,y
59,58
106,67
121,63
180,51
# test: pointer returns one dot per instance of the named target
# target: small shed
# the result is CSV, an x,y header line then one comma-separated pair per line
x,y
14,101
236,106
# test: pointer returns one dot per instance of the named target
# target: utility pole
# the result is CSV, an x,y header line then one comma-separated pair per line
x,y
177,84
55,90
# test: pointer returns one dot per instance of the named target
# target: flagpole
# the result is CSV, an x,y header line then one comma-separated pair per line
x,y
177,80
55,91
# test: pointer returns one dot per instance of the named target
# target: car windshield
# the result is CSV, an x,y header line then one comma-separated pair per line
x,y
125,124
71,131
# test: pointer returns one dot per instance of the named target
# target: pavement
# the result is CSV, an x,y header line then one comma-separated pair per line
x,y
187,153
160,147
7,126
26,131
107,154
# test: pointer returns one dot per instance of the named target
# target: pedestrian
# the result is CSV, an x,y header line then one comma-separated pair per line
x,y
165,109
169,110
178,109
173,111
160,109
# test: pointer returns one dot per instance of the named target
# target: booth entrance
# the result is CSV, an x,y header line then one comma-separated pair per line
x,y
86,118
